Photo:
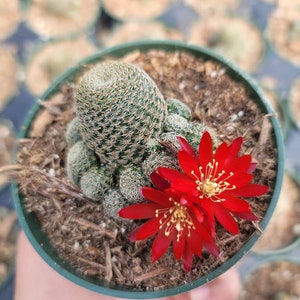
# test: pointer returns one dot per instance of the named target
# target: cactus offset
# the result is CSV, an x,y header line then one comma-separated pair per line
x,y
95,183
112,202
79,160
158,159
73,133
120,108
175,123
131,182
175,106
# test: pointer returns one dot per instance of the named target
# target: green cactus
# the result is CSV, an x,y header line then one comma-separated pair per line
x,y
130,184
95,183
194,131
120,108
73,133
175,123
176,106
158,144
158,159
112,202
154,145
170,138
79,160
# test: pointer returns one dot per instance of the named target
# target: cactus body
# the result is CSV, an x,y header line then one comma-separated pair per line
x,y
194,131
79,160
158,159
175,123
119,108
130,184
73,133
112,202
176,106
95,183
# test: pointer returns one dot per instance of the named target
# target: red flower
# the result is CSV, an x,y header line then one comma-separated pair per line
x,y
172,222
215,181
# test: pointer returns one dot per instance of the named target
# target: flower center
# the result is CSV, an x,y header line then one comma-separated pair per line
x,y
212,183
210,188
175,218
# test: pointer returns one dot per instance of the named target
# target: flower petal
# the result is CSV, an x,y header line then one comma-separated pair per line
x,y
178,180
161,244
220,155
252,168
158,181
188,164
178,247
138,211
234,147
241,164
195,243
250,190
156,196
197,213
171,174
250,216
186,147
187,259
226,154
188,187
208,209
226,219
146,230
211,247
238,180
205,150
235,204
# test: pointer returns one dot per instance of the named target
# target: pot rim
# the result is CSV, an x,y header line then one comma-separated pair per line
x,y
40,243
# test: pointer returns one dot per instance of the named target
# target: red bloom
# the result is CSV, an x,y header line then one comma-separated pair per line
x,y
173,223
215,181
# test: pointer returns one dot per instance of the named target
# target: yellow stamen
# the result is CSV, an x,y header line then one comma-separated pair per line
x,y
210,183
175,217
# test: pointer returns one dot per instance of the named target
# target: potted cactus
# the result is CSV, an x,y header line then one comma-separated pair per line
x,y
136,165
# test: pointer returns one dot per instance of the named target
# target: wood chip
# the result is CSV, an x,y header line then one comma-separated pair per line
x,y
109,272
41,122
98,228
152,274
